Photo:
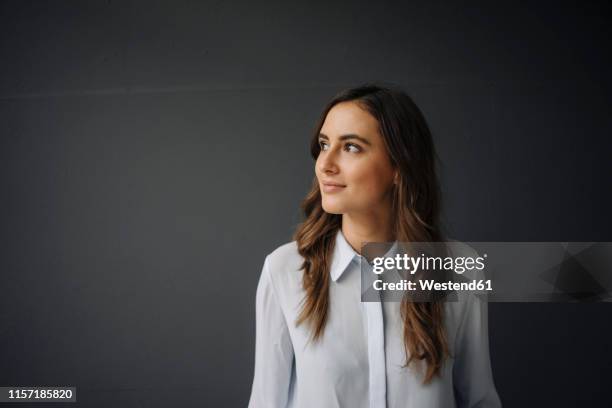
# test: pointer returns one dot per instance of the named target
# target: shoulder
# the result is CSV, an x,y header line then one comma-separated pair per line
x,y
284,264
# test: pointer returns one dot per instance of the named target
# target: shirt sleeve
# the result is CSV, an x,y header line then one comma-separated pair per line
x,y
273,348
472,374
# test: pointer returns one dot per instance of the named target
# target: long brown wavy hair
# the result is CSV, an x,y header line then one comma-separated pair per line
x,y
415,203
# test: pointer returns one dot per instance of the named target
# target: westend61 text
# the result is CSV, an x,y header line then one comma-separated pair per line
x,y
429,284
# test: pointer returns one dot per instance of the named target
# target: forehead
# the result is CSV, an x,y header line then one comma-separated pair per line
x,y
347,118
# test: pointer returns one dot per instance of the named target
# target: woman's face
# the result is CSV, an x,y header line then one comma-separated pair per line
x,y
353,169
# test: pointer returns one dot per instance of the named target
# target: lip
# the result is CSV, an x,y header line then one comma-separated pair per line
x,y
331,187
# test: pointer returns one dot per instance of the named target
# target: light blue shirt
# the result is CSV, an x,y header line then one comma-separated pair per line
x,y
358,362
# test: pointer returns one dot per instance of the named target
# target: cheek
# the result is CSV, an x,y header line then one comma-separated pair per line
x,y
374,179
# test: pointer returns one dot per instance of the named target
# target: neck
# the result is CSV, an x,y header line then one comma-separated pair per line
x,y
370,227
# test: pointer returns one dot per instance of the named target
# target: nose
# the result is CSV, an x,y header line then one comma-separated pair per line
x,y
327,162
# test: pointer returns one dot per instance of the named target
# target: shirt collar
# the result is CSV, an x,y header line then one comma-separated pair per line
x,y
344,254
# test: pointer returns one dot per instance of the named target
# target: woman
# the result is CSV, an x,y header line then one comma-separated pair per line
x,y
317,344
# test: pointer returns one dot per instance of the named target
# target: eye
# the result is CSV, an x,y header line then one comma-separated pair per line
x,y
323,145
352,147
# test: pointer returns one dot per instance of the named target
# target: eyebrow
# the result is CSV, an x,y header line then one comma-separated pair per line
x,y
348,137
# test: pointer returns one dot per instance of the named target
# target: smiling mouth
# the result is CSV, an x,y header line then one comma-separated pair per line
x,y
332,187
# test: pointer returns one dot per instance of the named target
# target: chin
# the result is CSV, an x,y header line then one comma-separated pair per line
x,y
332,208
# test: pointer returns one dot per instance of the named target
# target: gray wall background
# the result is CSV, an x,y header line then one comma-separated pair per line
x,y
152,154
